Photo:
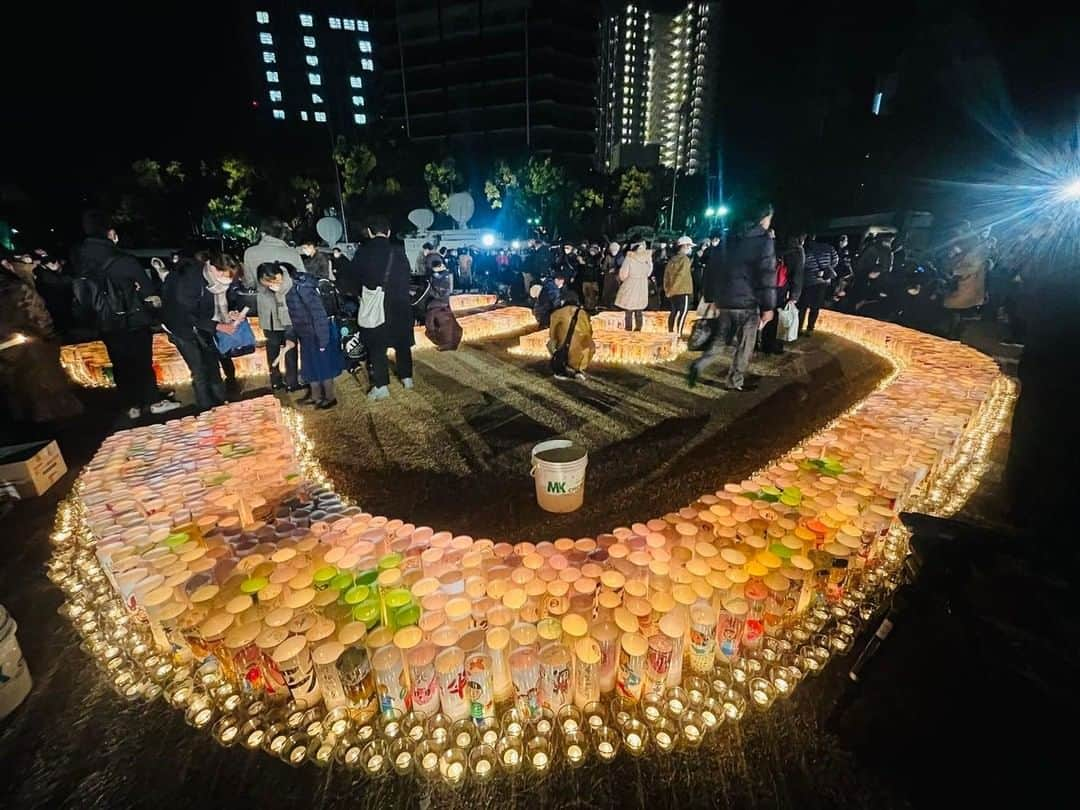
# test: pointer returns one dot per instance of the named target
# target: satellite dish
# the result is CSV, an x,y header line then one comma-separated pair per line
x,y
461,207
422,218
330,230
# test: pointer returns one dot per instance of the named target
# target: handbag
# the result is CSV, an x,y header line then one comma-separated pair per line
x,y
787,323
372,313
701,333
239,342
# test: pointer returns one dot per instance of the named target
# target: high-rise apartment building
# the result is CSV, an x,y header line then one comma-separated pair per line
x,y
657,81
314,63
491,77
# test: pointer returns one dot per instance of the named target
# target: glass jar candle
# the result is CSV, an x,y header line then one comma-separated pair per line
x,y
294,660
702,650
587,658
729,629
326,657
424,685
630,678
555,676
450,672
525,674
390,680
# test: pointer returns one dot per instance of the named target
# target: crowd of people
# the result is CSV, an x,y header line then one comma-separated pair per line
x,y
742,283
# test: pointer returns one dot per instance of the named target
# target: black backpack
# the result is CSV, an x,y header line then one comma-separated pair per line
x,y
109,306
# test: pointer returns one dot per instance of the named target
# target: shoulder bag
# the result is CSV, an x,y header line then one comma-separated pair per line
x,y
372,312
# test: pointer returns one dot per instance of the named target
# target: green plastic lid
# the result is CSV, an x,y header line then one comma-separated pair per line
x,y
408,615
781,551
177,539
253,585
367,577
397,598
325,574
790,500
342,582
357,594
368,613
389,561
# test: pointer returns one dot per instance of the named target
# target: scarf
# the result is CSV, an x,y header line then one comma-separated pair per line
x,y
279,300
218,290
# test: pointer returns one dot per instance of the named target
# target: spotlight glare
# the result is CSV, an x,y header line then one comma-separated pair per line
x,y
487,240
1071,190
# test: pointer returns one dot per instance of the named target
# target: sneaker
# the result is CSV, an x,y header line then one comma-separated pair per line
x,y
407,384
325,404
730,387
292,389
380,393
563,377
580,376
692,376
134,413
164,406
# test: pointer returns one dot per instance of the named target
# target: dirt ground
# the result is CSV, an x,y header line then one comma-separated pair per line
x,y
454,453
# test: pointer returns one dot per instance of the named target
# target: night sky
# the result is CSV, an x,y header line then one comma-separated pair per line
x,y
92,88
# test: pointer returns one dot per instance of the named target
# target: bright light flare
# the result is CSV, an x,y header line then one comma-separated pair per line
x,y
1071,190
515,245
487,240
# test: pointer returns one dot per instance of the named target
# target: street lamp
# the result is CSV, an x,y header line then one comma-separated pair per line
x,y
722,211
710,212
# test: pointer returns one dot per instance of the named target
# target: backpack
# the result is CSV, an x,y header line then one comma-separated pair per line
x,y
331,300
781,273
105,304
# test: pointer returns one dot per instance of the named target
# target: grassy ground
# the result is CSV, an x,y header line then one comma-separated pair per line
x,y
454,453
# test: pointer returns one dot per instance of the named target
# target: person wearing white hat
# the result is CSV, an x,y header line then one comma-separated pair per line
x,y
679,284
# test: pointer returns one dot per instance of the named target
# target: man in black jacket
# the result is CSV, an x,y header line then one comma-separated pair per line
x,y
818,273
124,318
382,263
742,292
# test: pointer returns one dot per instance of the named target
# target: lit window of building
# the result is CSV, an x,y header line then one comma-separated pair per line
x,y
350,25
362,25
275,95
271,76
365,45
356,81
269,58
314,78
262,17
307,20
303,115
279,115
359,118
335,23
313,61
358,101
309,42
265,38
320,118
367,64
316,98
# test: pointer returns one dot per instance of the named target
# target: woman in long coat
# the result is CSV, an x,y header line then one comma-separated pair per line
x,y
633,295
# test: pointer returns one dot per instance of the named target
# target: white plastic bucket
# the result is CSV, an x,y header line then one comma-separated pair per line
x,y
15,680
560,484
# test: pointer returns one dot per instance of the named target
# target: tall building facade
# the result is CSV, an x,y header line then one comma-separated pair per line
x,y
313,63
658,64
490,76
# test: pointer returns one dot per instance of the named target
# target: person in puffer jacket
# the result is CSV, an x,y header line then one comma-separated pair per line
x,y
818,272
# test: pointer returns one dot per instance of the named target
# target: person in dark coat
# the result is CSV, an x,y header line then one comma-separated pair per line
x,y
54,286
610,265
315,263
550,298
382,263
198,301
126,331
320,354
818,273
742,291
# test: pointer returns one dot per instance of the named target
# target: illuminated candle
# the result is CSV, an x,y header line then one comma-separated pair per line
x,y
631,673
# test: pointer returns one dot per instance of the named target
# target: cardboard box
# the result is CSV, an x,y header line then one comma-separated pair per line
x,y
32,468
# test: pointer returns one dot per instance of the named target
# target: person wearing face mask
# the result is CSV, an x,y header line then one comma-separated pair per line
x,y
610,265
679,284
320,354
114,292
633,295
198,301
273,314
315,263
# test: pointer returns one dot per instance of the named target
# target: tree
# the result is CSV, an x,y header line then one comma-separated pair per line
x,y
633,192
502,183
542,180
356,163
442,180
585,200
